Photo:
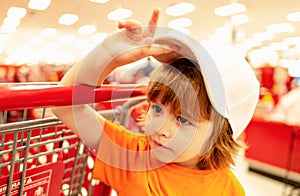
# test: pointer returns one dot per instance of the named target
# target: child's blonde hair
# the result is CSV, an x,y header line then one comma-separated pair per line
x,y
180,85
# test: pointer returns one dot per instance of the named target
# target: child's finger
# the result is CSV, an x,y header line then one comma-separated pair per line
x,y
152,23
154,18
132,25
129,23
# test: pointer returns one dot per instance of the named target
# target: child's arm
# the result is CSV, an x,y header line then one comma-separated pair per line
x,y
126,46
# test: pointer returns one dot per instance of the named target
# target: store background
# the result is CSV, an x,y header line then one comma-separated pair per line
x,y
36,46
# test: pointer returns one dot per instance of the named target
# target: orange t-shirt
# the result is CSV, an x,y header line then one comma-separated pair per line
x,y
121,164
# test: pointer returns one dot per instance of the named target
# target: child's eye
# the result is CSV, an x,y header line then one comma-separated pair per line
x,y
182,120
157,109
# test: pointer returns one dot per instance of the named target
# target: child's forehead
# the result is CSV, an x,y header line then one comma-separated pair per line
x,y
159,100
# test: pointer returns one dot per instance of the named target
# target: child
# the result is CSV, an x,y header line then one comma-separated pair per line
x,y
198,106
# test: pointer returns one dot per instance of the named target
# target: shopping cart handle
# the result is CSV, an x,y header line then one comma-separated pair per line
x,y
34,96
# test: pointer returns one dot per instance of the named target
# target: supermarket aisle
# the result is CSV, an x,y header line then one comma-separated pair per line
x,y
256,184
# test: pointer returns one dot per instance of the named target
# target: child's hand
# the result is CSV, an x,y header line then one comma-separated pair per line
x,y
135,32
135,42
130,44
134,29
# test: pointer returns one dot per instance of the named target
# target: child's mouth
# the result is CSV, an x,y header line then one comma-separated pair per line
x,y
155,143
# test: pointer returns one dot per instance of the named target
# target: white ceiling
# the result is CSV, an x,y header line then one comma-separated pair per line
x,y
261,13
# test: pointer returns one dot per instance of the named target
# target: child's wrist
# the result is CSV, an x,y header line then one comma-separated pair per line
x,y
103,58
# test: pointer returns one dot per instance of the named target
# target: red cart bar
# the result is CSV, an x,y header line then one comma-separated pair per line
x,y
41,156
33,96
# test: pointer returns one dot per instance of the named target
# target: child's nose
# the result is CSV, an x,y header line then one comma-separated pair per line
x,y
165,128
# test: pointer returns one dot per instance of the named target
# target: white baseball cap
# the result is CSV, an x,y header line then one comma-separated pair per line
x,y
231,84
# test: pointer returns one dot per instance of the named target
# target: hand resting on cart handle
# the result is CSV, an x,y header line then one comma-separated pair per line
x,y
131,43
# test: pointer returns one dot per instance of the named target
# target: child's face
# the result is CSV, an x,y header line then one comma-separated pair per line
x,y
174,138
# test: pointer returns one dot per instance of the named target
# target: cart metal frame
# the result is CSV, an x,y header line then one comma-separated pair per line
x,y
31,143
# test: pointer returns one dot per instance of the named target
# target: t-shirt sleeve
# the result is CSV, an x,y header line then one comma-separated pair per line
x,y
119,151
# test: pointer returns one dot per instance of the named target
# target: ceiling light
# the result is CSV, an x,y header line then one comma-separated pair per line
x,y
279,46
258,57
36,41
11,22
86,29
16,12
39,4
280,28
250,43
7,28
292,40
49,32
230,9
4,38
263,36
180,9
99,1
239,19
222,34
180,23
293,17
119,14
68,19
67,38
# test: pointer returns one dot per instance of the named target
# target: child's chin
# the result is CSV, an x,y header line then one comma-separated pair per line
x,y
163,155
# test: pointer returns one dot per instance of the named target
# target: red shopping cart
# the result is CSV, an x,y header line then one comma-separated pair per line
x,y
38,154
